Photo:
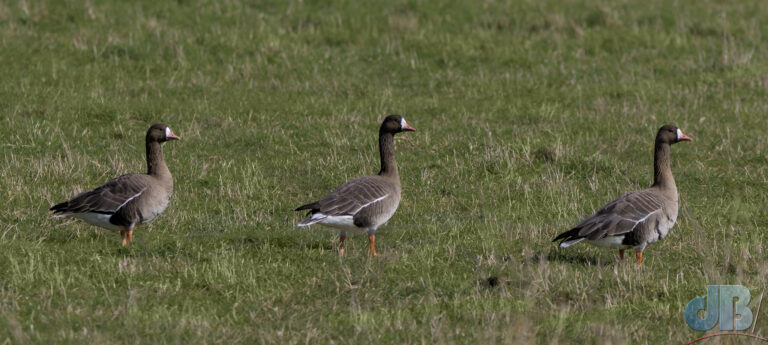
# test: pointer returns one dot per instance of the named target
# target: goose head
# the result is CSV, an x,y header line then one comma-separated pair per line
x,y
161,133
669,134
395,124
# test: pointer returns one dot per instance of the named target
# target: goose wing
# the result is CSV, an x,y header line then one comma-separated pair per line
x,y
349,199
105,199
353,196
618,217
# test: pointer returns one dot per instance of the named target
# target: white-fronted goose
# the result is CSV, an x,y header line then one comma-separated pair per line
x,y
127,200
364,203
639,218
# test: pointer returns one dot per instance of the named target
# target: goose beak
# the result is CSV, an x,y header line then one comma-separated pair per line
x,y
404,127
173,137
684,137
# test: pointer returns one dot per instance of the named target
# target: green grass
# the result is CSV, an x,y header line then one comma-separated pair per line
x,y
530,115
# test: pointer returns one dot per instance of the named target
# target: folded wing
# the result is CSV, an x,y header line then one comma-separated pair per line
x,y
620,216
105,199
348,199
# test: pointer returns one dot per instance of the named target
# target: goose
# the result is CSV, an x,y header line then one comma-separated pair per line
x,y
127,200
364,203
636,219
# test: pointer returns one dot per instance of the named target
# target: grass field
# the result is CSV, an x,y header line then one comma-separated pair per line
x,y
530,115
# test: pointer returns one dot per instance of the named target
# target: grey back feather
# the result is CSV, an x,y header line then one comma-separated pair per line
x,y
621,215
108,198
641,217
351,197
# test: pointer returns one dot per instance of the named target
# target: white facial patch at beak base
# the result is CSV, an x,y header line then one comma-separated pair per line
x,y
679,134
402,123
168,132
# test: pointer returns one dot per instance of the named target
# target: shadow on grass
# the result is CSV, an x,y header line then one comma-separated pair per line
x,y
108,243
280,242
575,257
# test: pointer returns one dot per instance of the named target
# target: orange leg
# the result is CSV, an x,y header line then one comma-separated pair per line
x,y
123,235
342,237
621,254
130,237
372,243
639,256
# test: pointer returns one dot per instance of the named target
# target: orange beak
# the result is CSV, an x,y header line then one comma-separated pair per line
x,y
684,137
173,137
408,128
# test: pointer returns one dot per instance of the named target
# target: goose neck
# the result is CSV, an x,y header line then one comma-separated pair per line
x,y
662,172
387,152
155,162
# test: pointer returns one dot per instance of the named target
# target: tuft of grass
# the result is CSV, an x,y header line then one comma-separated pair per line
x,y
530,115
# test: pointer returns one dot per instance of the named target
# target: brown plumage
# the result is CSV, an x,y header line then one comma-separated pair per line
x,y
364,203
636,219
127,200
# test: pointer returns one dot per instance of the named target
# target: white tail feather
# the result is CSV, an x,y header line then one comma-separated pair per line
x,y
566,244
317,217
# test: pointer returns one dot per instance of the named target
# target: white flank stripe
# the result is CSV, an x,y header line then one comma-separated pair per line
x,y
641,220
129,200
374,201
